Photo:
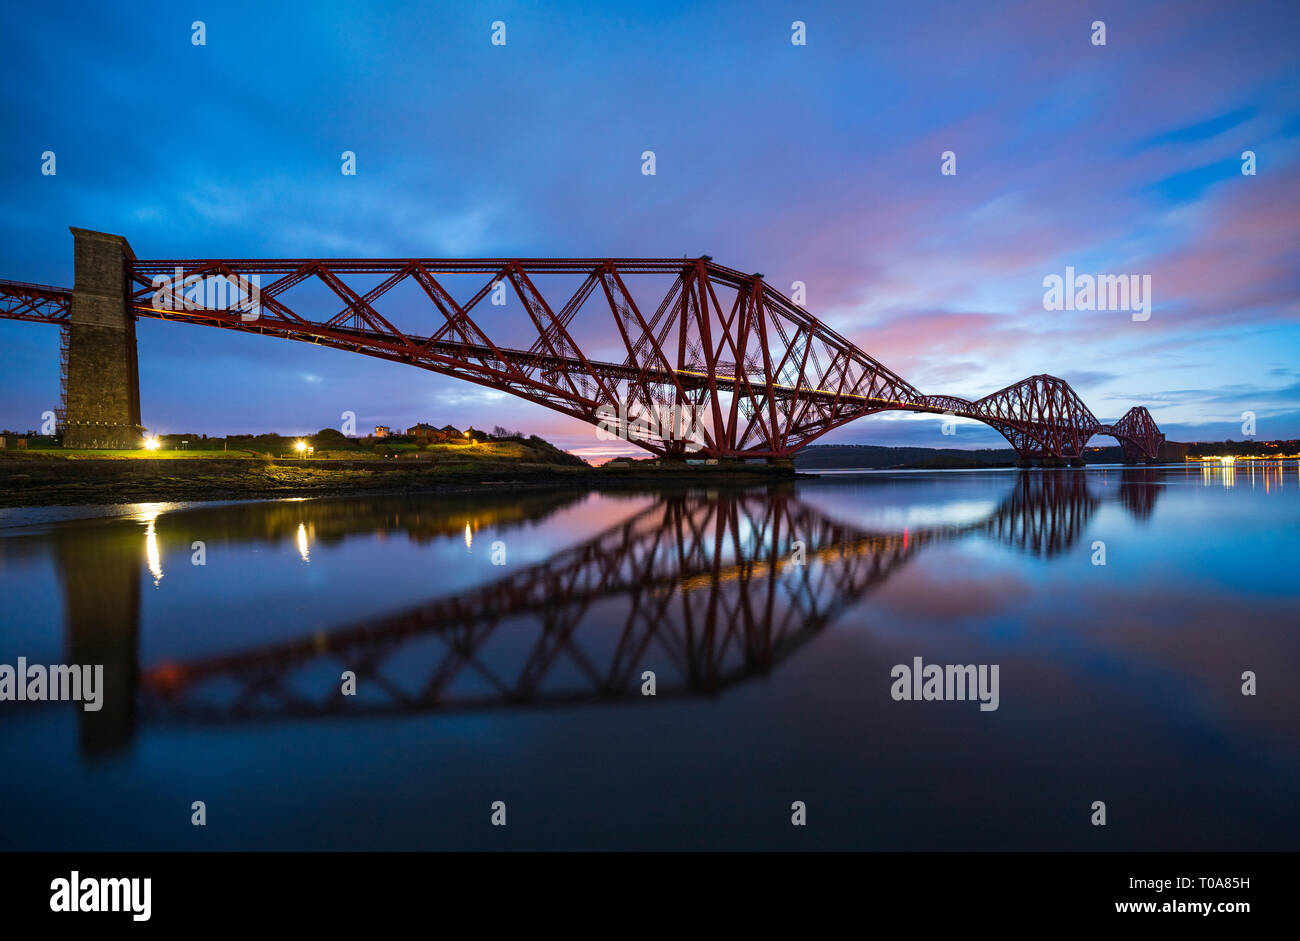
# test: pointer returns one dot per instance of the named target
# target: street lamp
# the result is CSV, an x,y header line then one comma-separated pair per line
x,y
152,443
300,446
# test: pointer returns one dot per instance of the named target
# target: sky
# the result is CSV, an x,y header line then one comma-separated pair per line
x,y
820,163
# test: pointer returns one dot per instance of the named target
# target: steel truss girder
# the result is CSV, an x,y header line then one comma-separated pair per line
x,y
750,372
39,303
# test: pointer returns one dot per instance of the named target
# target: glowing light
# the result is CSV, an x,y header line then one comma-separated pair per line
x,y
152,443
151,552
1225,472
300,445
469,537
303,546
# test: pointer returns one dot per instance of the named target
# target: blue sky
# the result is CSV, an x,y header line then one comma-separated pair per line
x,y
818,163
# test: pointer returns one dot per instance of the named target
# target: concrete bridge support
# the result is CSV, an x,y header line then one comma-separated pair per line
x,y
1173,452
103,375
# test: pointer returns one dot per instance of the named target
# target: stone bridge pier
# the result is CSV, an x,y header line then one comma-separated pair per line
x,y
103,408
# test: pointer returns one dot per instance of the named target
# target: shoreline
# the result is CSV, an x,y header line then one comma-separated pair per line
x,y
107,481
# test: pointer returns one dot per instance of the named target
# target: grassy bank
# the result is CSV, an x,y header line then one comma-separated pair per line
x,y
268,447
56,478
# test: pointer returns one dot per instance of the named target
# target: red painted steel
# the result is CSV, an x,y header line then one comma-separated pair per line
x,y
727,366
35,302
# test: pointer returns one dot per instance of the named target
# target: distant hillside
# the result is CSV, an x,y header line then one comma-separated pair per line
x,y
827,456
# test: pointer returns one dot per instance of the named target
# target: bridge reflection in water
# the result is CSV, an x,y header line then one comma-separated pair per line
x,y
707,589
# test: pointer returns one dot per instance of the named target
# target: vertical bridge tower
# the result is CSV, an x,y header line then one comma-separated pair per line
x,y
103,374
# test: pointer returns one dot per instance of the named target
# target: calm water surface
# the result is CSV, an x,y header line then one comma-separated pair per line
x,y
499,644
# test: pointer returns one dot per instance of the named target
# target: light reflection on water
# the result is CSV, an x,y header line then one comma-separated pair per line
x,y
770,617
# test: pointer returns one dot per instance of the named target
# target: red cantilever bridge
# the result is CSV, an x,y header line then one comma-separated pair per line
x,y
747,371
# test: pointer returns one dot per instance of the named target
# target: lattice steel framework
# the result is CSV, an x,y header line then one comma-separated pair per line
x,y
723,365
39,303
